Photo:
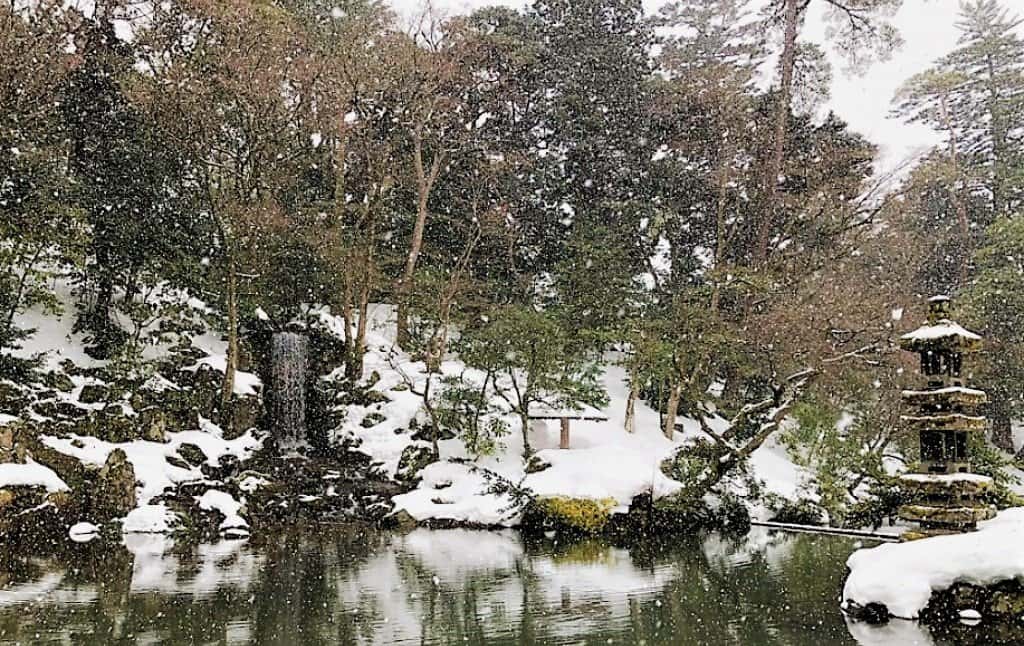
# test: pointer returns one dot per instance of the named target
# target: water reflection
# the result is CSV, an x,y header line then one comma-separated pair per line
x,y
328,585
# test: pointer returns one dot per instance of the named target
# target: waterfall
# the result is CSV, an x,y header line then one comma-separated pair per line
x,y
288,362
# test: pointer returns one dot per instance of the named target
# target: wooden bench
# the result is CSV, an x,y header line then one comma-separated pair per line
x,y
565,420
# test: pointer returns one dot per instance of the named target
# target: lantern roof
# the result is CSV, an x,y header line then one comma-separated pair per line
x,y
943,334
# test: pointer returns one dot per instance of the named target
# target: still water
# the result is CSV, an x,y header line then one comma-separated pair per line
x,y
335,585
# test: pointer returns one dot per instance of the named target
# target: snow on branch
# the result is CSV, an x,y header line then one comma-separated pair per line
x,y
776,407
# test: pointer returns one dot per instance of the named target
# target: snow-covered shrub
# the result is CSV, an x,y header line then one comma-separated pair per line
x,y
471,412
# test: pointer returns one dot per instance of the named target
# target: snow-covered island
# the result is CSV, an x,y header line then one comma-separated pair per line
x,y
978,572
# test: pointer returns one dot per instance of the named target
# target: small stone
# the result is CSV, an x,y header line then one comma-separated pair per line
x,y
83,532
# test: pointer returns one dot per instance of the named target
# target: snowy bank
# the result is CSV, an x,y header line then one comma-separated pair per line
x,y
150,459
30,474
904,576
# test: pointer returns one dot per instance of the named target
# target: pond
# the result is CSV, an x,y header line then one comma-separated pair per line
x,y
323,584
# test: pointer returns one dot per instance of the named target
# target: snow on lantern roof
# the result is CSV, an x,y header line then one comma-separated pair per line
x,y
941,333
939,298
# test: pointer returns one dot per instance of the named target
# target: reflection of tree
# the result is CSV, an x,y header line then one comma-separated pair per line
x,y
296,599
469,609
732,597
329,585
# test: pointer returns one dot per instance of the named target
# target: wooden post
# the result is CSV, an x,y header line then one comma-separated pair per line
x,y
564,444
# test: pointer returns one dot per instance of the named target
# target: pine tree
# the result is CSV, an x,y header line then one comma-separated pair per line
x,y
989,98
857,29
596,146
102,127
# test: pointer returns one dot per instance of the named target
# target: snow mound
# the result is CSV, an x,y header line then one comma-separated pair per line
x,y
233,524
903,576
30,474
83,532
455,492
149,519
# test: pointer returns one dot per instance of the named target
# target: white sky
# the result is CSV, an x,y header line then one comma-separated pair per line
x,y
928,28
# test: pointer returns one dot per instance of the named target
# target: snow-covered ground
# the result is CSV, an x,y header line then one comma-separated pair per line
x,y
53,339
903,576
604,461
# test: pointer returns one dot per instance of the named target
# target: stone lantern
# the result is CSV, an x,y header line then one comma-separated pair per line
x,y
944,491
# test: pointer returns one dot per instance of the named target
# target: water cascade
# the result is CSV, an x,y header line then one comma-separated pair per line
x,y
289,353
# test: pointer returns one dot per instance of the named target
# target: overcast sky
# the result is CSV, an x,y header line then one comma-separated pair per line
x,y
927,27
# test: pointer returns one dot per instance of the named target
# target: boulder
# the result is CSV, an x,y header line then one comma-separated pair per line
x,y
425,433
245,413
375,397
401,521
176,461
114,426
12,399
59,380
31,517
192,454
7,498
372,420
536,464
7,449
152,424
70,469
414,459
114,494
94,394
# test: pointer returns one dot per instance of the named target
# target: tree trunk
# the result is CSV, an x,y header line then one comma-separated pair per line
x,y
672,411
634,392
999,137
1002,429
424,185
957,189
231,360
787,64
524,420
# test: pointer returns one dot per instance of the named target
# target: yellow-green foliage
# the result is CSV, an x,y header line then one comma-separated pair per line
x,y
581,514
